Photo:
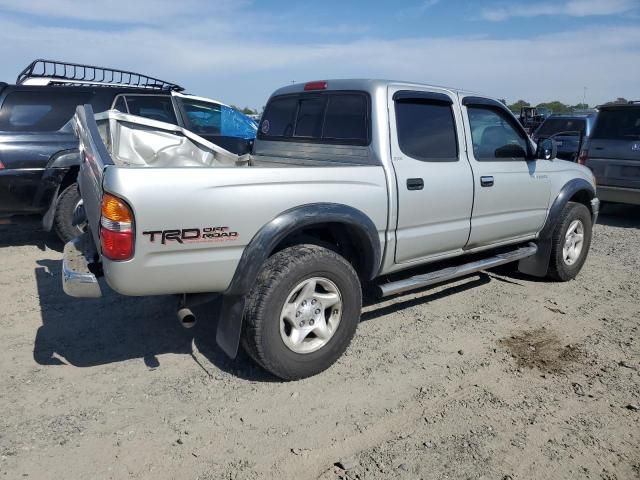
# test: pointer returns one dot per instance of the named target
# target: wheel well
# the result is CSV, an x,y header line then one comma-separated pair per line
x,y
583,197
346,240
70,177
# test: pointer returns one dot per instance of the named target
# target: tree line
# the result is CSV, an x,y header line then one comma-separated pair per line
x,y
558,107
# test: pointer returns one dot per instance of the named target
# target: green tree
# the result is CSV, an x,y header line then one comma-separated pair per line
x,y
248,111
515,107
580,106
555,106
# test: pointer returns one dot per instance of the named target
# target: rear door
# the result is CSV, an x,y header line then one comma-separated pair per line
x,y
434,179
614,148
32,130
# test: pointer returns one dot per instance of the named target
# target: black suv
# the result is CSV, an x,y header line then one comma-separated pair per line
x,y
39,156
612,152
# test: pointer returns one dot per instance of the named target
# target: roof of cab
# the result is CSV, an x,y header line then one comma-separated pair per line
x,y
365,84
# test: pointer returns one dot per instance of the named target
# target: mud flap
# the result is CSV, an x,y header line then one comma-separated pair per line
x,y
230,324
537,265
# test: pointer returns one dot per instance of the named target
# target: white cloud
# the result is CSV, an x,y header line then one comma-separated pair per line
x,y
235,59
573,8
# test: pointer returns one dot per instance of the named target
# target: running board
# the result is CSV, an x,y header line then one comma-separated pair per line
x,y
439,276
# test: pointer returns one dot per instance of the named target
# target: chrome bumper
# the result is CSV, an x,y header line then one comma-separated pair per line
x,y
77,279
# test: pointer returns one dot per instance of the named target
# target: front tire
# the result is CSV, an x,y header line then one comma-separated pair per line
x,y
302,311
68,202
570,242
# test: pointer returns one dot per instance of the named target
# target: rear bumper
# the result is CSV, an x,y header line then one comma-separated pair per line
x,y
77,279
619,195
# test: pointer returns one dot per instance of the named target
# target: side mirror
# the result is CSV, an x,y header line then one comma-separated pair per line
x,y
547,149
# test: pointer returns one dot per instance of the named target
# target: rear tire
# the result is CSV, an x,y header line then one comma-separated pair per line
x,y
68,202
571,240
302,311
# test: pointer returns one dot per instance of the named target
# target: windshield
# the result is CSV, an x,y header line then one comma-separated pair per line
x,y
618,124
556,125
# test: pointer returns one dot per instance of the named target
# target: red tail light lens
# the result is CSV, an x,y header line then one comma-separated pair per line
x,y
116,245
116,228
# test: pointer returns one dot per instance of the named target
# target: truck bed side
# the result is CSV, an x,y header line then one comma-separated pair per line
x,y
224,206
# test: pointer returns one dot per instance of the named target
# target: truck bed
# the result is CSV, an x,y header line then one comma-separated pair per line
x,y
190,183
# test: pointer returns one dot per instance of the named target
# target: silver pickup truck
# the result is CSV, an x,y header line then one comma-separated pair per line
x,y
349,183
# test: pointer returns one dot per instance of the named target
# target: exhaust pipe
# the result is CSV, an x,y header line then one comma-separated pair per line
x,y
186,317
185,301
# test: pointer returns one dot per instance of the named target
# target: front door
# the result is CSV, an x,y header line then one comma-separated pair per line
x,y
512,193
434,179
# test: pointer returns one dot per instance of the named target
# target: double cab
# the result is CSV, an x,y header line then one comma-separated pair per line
x,y
387,184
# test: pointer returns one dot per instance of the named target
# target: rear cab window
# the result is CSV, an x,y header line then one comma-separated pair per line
x,y
39,111
331,117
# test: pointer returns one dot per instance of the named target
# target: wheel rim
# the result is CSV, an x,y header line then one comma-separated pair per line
x,y
310,315
573,242
82,226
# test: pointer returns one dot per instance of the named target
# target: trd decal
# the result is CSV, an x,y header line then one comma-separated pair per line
x,y
190,235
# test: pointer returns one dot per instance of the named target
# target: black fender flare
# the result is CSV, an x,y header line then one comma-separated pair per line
x,y
57,168
268,237
538,264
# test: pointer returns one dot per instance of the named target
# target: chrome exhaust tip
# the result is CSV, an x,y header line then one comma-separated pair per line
x,y
186,317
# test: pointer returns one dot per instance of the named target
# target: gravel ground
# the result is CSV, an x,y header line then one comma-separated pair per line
x,y
495,376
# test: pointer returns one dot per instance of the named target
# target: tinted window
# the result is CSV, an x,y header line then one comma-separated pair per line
x,y
618,124
494,135
330,117
202,117
279,117
310,117
551,126
39,111
154,107
346,117
426,130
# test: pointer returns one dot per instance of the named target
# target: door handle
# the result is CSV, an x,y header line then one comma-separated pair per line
x,y
486,181
415,184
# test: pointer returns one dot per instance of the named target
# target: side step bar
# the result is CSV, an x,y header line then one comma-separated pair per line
x,y
439,276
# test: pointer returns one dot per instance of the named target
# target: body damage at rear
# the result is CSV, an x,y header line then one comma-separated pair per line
x,y
191,225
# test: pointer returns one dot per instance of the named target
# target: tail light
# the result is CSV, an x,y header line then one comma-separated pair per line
x,y
116,228
583,157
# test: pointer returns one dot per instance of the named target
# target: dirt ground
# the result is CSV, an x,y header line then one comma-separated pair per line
x,y
496,376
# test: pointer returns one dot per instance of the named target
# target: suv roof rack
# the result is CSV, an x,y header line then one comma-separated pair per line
x,y
65,73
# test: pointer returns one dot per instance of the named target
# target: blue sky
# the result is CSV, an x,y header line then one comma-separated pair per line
x,y
240,51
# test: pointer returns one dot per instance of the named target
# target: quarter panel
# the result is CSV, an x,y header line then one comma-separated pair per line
x,y
241,200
